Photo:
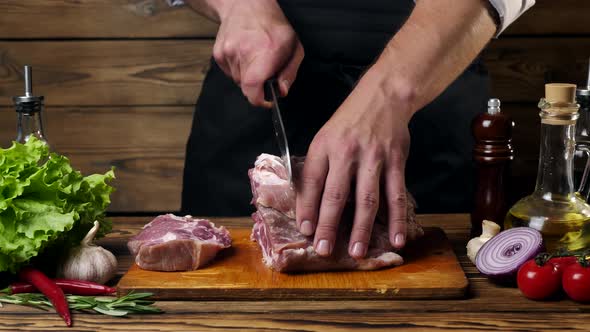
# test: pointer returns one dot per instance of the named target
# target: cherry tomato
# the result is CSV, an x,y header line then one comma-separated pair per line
x,y
576,282
538,282
561,263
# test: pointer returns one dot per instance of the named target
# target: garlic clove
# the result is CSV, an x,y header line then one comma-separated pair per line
x,y
489,230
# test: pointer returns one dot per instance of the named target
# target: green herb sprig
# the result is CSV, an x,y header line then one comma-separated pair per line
x,y
132,303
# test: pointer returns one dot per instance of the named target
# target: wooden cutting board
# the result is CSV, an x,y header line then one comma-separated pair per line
x,y
430,271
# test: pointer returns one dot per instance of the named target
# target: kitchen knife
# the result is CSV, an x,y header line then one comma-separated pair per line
x,y
271,91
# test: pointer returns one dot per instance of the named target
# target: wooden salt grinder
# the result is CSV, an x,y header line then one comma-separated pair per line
x,y
492,154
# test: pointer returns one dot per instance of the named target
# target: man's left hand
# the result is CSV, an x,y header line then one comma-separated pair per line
x,y
367,141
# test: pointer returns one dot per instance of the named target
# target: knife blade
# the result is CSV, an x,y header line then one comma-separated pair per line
x,y
272,93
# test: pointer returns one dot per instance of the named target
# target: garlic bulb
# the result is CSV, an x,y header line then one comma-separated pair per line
x,y
88,262
489,230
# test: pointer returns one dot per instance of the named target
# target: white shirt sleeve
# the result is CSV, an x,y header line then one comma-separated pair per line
x,y
509,11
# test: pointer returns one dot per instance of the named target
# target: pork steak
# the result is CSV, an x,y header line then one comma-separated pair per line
x,y
173,243
285,249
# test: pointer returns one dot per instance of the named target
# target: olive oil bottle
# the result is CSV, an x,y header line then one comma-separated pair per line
x,y
555,208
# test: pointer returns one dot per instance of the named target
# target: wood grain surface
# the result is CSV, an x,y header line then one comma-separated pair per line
x,y
430,271
520,67
100,19
153,18
550,17
149,72
138,72
146,145
488,307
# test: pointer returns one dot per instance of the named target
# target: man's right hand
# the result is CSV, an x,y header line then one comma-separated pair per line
x,y
256,42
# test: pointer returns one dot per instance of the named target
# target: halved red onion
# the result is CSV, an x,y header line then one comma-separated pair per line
x,y
502,255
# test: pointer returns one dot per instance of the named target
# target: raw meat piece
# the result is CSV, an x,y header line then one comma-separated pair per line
x,y
285,249
172,243
269,185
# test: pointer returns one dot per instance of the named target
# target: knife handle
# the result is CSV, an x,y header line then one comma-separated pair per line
x,y
268,85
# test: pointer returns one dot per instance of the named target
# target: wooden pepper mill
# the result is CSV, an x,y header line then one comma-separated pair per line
x,y
492,154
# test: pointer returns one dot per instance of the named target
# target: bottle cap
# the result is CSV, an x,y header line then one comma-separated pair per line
x,y
28,103
559,105
493,106
560,93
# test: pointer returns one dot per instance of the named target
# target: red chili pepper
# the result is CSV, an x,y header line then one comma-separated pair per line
x,y
50,289
75,287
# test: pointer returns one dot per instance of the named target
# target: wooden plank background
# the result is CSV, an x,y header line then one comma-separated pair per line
x,y
120,79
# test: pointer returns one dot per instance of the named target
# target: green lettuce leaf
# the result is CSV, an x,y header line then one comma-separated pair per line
x,y
45,204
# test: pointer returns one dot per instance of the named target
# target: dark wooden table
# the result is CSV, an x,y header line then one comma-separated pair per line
x,y
486,307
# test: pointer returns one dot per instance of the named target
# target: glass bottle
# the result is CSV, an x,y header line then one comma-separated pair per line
x,y
555,208
583,124
29,109
582,160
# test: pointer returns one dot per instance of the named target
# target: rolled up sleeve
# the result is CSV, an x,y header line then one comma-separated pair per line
x,y
509,11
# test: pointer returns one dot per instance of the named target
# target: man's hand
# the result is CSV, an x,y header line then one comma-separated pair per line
x,y
367,140
255,42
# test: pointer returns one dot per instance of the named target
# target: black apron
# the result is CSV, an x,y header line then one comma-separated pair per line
x,y
341,39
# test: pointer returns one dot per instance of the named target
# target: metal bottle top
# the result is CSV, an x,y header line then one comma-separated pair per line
x,y
493,106
28,103
583,93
